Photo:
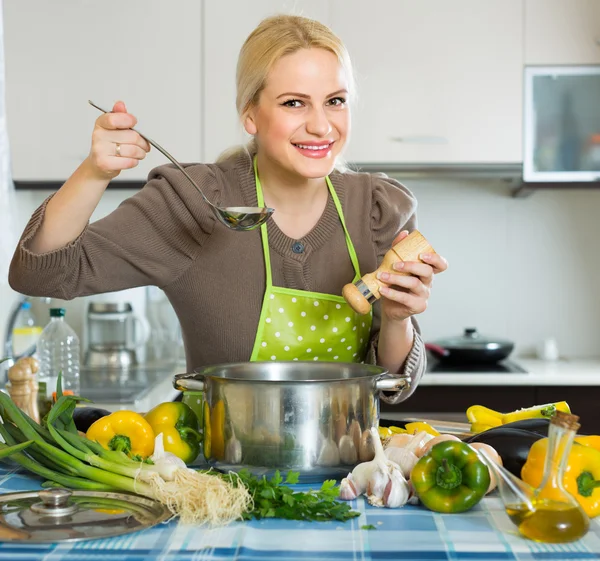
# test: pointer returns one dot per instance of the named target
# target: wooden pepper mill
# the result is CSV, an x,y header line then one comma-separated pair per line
x,y
23,388
365,291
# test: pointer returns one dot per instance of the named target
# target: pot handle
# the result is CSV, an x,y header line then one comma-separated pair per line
x,y
437,349
395,384
188,381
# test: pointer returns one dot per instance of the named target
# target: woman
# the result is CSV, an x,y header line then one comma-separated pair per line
x,y
268,294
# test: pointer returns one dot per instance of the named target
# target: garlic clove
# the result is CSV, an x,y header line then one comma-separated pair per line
x,y
348,490
396,492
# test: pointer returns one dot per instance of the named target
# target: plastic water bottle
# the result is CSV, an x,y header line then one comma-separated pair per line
x,y
58,351
26,332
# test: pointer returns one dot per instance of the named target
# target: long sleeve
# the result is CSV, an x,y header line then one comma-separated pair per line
x,y
150,239
393,210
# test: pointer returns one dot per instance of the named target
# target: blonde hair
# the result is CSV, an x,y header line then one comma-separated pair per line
x,y
274,38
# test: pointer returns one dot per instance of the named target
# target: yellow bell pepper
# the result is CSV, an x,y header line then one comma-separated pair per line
x,y
179,427
414,428
582,474
124,431
483,418
397,430
592,440
384,432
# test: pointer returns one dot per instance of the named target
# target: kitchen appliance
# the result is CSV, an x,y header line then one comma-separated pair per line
x,y
561,119
501,367
114,333
470,348
310,417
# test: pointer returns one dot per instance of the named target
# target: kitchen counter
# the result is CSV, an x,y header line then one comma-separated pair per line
x,y
138,389
408,533
539,373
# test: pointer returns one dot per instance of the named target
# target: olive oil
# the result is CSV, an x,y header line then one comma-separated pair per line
x,y
549,521
547,513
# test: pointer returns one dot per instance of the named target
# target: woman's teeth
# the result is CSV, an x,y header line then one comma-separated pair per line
x,y
306,147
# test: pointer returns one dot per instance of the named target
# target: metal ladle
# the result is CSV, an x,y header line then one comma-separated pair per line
x,y
242,218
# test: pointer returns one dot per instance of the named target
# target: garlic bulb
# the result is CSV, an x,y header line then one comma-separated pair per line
x,y
405,459
162,458
381,479
406,456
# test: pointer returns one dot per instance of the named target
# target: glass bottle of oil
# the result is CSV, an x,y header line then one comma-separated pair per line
x,y
549,513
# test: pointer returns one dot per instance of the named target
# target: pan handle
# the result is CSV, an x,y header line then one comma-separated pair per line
x,y
437,349
395,384
188,382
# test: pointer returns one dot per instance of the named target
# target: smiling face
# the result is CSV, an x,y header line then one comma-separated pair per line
x,y
302,120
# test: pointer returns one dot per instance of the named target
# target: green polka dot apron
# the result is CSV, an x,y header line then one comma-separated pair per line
x,y
302,325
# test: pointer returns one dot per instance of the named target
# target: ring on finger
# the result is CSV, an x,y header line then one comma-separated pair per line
x,y
118,149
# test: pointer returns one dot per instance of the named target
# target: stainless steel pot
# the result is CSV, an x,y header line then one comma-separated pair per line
x,y
311,417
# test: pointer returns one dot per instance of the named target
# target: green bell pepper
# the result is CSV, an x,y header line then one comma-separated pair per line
x,y
450,478
179,426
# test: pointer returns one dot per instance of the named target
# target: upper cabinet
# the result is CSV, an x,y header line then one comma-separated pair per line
x,y
439,81
562,32
223,38
145,52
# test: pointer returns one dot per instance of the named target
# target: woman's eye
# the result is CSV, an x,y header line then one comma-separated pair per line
x,y
292,103
338,101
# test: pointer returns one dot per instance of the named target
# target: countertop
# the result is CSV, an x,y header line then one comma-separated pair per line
x,y
154,384
409,533
139,389
539,373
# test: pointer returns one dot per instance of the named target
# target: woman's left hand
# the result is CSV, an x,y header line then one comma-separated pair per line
x,y
408,291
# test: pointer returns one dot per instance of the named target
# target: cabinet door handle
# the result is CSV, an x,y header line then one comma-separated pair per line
x,y
420,139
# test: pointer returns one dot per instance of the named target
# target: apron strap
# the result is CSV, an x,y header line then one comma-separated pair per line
x,y
265,238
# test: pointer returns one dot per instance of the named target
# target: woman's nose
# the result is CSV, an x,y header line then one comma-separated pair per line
x,y
318,123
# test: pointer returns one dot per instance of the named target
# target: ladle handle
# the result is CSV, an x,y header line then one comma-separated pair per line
x,y
365,291
163,151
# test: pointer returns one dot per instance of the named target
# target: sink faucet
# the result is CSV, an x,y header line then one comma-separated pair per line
x,y
8,337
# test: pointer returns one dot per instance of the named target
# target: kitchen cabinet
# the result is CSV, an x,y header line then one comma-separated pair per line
x,y
438,81
60,54
223,37
562,32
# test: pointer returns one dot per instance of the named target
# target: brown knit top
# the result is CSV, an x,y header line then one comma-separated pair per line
x,y
166,236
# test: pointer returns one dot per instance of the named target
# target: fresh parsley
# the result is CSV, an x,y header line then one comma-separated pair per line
x,y
272,498
368,527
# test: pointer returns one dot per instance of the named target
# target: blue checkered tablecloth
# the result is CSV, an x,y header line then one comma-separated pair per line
x,y
409,533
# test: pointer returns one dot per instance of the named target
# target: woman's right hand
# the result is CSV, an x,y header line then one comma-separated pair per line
x,y
115,146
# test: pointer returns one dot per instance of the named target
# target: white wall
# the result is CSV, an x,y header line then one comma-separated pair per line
x,y
524,269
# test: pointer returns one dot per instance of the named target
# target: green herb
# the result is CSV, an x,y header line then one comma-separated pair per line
x,y
274,499
549,411
368,527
